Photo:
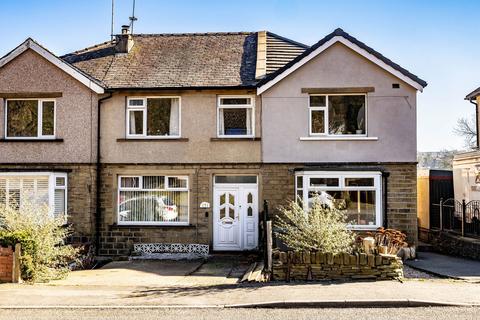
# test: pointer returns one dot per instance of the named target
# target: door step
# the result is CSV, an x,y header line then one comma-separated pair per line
x,y
256,273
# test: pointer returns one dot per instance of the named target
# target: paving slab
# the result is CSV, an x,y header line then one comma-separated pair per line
x,y
447,266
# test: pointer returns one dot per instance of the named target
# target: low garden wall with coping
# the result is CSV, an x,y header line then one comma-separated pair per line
x,y
305,265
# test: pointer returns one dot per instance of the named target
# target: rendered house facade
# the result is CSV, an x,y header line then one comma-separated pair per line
x,y
178,138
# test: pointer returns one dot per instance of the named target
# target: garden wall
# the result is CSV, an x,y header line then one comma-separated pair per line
x,y
452,244
292,265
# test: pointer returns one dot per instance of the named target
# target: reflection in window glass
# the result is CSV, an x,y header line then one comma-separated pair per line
x,y
346,114
321,182
318,121
48,118
354,182
235,179
162,117
22,118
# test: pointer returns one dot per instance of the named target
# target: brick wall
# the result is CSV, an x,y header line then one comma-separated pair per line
x,y
81,195
6,264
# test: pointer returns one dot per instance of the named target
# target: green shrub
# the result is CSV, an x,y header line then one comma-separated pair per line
x,y
320,228
45,256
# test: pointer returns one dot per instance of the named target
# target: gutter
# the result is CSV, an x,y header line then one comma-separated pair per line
x,y
471,100
98,177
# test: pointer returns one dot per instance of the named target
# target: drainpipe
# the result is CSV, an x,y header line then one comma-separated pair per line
x,y
385,176
98,177
476,121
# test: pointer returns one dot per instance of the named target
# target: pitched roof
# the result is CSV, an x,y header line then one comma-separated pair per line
x,y
327,41
173,61
475,93
76,73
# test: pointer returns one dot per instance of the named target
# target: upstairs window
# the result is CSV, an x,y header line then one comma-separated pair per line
x,y
30,119
235,116
156,117
338,114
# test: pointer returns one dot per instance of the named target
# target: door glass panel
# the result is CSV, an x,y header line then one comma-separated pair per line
x,y
231,199
250,212
235,179
250,198
222,213
222,199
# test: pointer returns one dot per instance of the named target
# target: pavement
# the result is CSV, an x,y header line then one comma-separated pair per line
x,y
447,266
213,284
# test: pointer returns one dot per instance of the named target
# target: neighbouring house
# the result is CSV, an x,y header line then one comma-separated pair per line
x,y
466,165
179,138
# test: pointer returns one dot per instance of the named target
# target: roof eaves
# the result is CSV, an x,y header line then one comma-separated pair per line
x,y
475,93
339,32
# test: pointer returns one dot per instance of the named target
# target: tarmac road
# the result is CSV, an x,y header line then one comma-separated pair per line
x,y
458,313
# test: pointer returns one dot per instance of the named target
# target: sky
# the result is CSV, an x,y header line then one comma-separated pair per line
x,y
436,40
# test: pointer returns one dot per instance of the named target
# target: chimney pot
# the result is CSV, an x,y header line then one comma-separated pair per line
x,y
125,29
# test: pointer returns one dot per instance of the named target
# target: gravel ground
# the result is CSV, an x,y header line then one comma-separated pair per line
x,y
411,273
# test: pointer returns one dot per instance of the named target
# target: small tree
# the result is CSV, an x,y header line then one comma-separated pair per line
x,y
45,255
322,228
467,129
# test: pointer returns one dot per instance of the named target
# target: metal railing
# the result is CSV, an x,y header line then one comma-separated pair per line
x,y
458,216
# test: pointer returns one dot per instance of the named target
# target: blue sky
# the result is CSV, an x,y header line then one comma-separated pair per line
x,y
437,40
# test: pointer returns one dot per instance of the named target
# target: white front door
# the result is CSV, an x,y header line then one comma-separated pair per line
x,y
235,217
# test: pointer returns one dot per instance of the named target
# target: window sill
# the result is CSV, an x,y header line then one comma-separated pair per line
x,y
236,139
150,226
153,139
30,140
333,138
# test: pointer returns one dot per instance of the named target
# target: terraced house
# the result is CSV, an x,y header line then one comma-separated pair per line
x,y
178,138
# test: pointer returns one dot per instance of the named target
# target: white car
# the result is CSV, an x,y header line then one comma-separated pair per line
x,y
148,208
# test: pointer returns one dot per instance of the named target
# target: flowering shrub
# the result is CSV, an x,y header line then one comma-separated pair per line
x,y
321,228
45,256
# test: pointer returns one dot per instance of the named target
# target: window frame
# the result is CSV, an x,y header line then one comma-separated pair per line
x,y
250,106
326,115
139,188
144,111
52,186
342,176
40,135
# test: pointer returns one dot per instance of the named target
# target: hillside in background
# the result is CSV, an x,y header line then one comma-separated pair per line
x,y
436,159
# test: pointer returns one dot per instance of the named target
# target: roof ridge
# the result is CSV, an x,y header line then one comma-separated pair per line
x,y
193,34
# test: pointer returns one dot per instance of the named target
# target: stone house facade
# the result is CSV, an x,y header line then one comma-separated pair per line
x,y
179,138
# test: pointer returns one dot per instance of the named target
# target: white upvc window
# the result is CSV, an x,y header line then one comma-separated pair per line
x,y
30,118
41,188
236,116
156,117
358,193
338,115
153,200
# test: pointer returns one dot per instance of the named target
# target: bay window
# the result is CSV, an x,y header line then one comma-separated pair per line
x,y
339,114
158,200
357,193
235,116
153,117
30,119
37,188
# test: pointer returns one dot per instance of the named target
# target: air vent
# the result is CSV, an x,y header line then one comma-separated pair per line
x,y
395,85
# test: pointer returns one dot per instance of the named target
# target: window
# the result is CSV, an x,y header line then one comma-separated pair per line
x,y
30,118
359,194
38,188
235,116
338,114
161,200
155,117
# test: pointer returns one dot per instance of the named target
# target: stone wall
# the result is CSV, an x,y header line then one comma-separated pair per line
x,y
452,244
279,188
303,266
80,194
6,264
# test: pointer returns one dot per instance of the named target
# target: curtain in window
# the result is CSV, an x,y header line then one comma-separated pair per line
x,y
174,118
249,121
221,123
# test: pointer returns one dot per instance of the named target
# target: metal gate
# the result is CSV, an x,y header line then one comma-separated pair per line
x,y
460,217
